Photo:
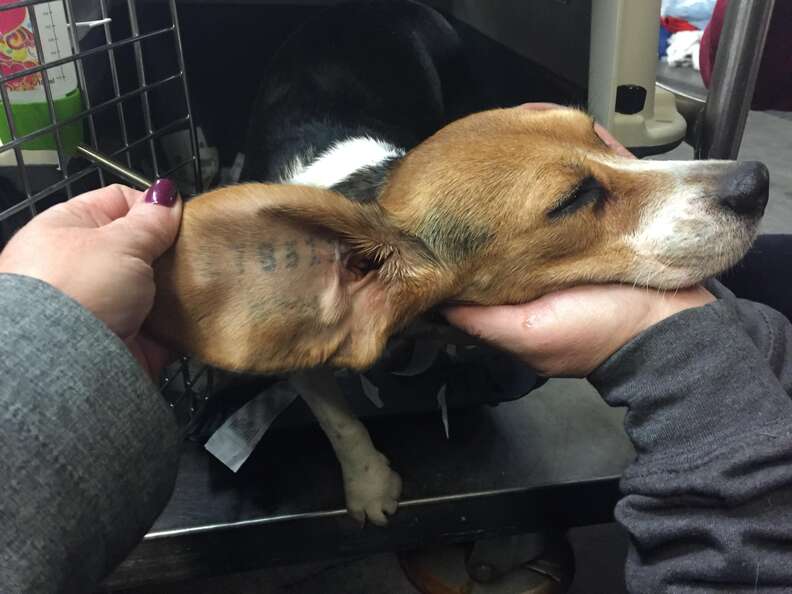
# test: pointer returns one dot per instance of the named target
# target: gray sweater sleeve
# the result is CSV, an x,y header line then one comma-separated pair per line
x,y
89,447
708,500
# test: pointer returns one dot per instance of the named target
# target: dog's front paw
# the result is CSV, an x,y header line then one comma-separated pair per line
x,y
372,489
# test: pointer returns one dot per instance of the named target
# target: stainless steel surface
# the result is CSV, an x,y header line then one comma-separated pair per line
x,y
546,461
115,167
682,82
734,76
689,92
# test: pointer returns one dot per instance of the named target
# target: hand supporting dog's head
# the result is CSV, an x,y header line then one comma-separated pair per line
x,y
500,207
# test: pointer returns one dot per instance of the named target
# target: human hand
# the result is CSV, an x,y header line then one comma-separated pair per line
x,y
572,332
98,248
606,136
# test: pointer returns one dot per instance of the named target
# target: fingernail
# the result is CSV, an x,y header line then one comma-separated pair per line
x,y
162,192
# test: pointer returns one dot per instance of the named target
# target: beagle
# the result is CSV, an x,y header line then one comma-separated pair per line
x,y
376,210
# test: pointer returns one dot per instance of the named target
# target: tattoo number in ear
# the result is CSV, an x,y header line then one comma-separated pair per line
x,y
266,254
292,258
315,259
288,255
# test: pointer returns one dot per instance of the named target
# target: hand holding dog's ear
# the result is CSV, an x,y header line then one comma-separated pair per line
x,y
268,278
98,249
572,332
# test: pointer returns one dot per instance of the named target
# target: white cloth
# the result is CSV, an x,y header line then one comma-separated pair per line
x,y
683,49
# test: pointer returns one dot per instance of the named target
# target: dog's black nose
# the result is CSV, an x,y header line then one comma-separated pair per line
x,y
744,188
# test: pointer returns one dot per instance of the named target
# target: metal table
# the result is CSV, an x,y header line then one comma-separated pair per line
x,y
551,459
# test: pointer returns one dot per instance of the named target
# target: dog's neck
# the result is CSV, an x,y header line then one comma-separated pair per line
x,y
355,167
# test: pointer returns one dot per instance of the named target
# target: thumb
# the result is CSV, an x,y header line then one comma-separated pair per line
x,y
152,223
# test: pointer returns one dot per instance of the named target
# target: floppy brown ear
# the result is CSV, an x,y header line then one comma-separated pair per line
x,y
266,278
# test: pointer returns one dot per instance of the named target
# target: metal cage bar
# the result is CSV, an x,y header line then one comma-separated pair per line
x,y
88,112
92,169
23,4
69,6
20,159
141,72
193,136
195,382
87,53
17,167
114,75
45,82
736,69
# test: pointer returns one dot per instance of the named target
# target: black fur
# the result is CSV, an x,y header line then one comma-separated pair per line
x,y
385,69
366,184
451,238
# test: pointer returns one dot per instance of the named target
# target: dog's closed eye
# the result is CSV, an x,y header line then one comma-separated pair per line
x,y
588,191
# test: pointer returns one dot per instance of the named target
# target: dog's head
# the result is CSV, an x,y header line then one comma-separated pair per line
x,y
522,202
499,207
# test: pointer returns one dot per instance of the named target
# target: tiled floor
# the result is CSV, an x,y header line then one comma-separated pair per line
x,y
599,550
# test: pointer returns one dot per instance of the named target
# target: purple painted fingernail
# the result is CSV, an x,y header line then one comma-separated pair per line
x,y
162,192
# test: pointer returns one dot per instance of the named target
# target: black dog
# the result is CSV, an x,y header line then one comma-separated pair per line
x,y
377,78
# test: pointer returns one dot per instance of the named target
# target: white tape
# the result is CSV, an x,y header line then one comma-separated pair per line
x,y
236,439
371,391
441,402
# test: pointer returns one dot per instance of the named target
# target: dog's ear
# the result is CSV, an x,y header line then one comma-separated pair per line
x,y
268,278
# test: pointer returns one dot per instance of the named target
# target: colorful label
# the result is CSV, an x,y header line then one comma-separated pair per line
x,y
18,48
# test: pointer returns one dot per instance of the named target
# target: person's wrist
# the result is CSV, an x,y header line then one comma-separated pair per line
x,y
650,308
668,304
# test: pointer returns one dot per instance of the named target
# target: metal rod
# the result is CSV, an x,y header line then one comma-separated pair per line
x,y
193,136
114,167
114,77
79,55
48,94
734,77
86,112
141,72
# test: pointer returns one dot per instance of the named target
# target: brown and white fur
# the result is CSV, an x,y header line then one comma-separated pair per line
x,y
470,215
499,207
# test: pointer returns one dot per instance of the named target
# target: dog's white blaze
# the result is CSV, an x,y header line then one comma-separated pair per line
x,y
340,161
681,222
674,167
661,229
686,236
679,230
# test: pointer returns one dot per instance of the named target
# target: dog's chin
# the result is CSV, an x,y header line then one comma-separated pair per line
x,y
686,261
665,272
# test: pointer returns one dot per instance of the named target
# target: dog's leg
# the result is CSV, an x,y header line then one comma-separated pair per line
x,y
372,488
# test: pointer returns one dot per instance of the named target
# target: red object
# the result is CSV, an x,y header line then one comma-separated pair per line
x,y
675,24
774,85
10,19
